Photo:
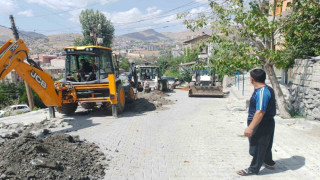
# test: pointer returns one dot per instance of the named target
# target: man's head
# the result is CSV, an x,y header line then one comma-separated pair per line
x,y
257,76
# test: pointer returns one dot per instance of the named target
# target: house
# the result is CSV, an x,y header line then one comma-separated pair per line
x,y
12,77
201,40
177,51
58,63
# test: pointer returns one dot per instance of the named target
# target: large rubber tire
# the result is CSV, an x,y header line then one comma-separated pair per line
x,y
160,86
121,99
130,97
67,108
88,105
165,85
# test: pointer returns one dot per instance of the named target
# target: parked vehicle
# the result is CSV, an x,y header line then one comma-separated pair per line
x,y
14,110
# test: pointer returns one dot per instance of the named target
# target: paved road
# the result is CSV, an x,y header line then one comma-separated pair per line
x,y
195,138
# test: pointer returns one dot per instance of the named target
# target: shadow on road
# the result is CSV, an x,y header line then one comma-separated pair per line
x,y
282,165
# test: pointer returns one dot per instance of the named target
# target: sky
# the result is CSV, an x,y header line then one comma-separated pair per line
x,y
61,16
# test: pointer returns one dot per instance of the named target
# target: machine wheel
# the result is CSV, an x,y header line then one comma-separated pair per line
x,y
120,99
147,90
130,96
165,85
88,105
160,86
67,108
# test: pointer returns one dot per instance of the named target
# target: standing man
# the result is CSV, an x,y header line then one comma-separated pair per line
x,y
260,130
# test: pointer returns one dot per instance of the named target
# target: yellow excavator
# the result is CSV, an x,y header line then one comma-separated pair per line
x,y
91,76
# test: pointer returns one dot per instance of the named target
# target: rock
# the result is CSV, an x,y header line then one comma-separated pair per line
x,y
10,171
14,135
1,140
3,176
316,113
46,132
309,106
310,117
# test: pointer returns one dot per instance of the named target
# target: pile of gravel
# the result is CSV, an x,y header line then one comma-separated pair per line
x,y
59,156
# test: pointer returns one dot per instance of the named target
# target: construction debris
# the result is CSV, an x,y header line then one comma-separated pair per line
x,y
155,100
59,156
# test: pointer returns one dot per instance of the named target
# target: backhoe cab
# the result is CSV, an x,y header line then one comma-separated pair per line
x,y
149,78
91,77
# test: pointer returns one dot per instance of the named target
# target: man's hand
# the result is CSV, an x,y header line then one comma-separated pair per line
x,y
248,132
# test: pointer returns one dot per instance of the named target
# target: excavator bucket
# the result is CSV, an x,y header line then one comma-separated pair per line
x,y
206,91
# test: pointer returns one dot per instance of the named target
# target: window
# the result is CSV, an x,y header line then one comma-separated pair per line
x,y
106,65
77,63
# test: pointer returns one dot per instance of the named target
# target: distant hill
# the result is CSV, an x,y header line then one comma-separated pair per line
x,y
39,43
183,36
6,34
147,35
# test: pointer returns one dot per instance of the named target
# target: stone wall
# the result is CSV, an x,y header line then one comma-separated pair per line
x,y
305,88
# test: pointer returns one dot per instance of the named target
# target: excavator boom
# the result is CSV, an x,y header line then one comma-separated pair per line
x,y
12,55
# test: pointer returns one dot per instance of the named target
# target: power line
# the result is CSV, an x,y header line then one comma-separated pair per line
x,y
155,17
61,12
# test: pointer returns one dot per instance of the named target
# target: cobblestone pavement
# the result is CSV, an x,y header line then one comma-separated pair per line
x,y
196,138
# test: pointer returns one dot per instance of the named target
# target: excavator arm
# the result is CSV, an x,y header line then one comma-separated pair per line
x,y
12,55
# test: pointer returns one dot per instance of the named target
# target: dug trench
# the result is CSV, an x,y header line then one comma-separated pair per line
x,y
33,152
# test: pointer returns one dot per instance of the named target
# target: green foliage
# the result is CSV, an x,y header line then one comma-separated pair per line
x,y
301,31
245,33
124,64
88,18
186,74
191,54
11,93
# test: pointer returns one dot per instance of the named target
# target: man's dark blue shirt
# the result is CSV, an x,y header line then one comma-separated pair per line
x,y
263,99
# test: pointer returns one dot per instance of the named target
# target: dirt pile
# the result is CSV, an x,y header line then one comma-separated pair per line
x,y
59,156
149,102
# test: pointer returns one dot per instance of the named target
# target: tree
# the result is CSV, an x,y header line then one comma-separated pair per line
x,y
250,26
124,63
88,18
301,31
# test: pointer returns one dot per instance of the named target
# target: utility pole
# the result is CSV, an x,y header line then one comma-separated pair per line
x,y
93,34
28,89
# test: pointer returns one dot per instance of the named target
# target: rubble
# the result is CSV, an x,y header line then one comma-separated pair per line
x,y
155,100
59,156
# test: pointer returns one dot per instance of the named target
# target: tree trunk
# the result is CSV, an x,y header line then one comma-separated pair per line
x,y
284,111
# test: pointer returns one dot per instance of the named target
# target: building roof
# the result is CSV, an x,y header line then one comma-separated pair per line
x,y
187,64
84,47
203,36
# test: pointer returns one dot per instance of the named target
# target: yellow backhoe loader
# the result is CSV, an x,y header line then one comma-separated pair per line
x,y
91,76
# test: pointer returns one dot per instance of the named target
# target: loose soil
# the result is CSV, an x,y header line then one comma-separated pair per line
x,y
59,156
155,100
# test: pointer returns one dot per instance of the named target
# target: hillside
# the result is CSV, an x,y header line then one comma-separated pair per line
x,y
6,34
147,35
183,36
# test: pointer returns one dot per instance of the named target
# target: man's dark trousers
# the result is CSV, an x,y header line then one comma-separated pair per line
x,y
260,146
